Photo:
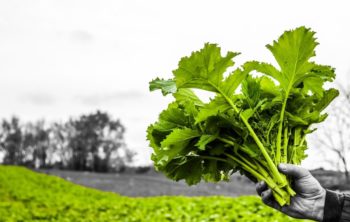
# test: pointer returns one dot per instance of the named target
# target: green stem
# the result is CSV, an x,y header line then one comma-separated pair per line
x,y
246,161
252,169
285,145
291,191
279,133
261,169
297,136
279,194
229,142
296,144
271,165
262,163
302,140
201,127
246,167
280,180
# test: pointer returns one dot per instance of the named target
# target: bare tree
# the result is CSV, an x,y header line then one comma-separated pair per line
x,y
335,136
11,141
95,141
91,142
35,144
60,134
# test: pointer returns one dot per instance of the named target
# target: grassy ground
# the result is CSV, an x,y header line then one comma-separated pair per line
x,y
333,180
30,196
155,184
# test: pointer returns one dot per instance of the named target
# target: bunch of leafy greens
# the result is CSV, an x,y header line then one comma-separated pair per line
x,y
253,123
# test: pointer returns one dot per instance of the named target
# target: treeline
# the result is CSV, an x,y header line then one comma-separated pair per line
x,y
92,142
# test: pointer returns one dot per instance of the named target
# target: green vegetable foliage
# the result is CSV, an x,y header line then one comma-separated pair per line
x,y
32,197
258,118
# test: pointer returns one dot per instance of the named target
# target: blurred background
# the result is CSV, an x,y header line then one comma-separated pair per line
x,y
74,83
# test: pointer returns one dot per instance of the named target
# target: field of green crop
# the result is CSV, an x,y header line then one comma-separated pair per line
x,y
29,196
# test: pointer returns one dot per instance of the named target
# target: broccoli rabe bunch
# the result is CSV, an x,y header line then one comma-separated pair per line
x,y
259,117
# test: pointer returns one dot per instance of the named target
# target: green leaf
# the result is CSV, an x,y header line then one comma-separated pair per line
x,y
187,94
215,106
217,149
267,69
204,140
162,157
314,117
272,123
328,97
327,73
155,137
191,111
187,168
171,118
231,83
247,113
179,136
251,90
324,73
292,52
271,104
166,86
204,69
315,85
296,119
298,154
269,87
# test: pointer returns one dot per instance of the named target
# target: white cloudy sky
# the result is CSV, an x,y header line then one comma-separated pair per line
x,y
67,57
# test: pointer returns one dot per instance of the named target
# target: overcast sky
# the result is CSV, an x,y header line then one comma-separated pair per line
x,y
68,57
